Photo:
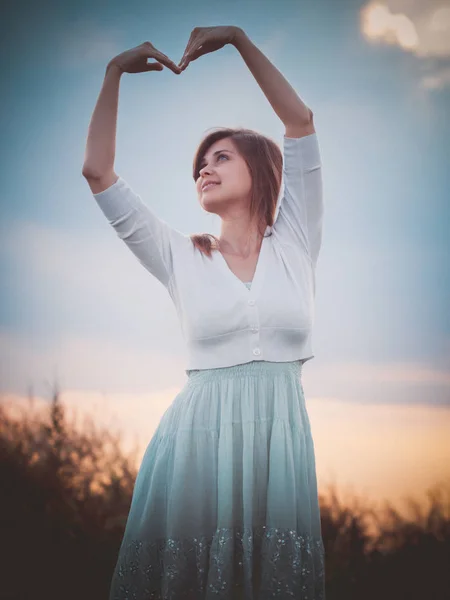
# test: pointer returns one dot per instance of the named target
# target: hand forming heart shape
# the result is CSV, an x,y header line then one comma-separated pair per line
x,y
203,40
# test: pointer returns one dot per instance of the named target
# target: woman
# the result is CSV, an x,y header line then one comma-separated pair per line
x,y
225,502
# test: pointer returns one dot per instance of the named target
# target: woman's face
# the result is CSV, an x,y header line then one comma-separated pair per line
x,y
223,164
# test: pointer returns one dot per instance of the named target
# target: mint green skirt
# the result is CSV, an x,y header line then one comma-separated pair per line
x,y
225,503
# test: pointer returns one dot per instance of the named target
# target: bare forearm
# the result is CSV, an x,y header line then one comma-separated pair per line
x,y
282,97
101,141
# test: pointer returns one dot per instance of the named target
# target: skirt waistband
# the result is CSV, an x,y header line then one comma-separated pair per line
x,y
256,368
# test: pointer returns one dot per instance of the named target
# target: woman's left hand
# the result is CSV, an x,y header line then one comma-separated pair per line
x,y
206,39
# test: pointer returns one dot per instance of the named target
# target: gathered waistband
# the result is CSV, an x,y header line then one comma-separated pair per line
x,y
256,368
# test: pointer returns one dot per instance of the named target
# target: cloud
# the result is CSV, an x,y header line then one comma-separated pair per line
x,y
85,361
418,27
96,273
391,373
97,317
87,309
439,79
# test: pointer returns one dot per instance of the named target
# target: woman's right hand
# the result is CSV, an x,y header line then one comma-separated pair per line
x,y
135,60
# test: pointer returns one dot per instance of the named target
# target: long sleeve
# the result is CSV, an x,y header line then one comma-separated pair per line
x,y
146,235
300,216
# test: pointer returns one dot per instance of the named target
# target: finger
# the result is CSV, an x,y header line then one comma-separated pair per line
x,y
198,50
196,53
189,45
154,66
168,63
165,60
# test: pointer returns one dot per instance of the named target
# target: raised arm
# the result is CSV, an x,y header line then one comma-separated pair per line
x,y
301,209
149,238
300,215
293,112
98,166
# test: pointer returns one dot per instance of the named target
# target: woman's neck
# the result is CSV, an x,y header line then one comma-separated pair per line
x,y
242,253
242,248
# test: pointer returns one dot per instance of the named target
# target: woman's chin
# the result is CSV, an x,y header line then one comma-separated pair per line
x,y
209,208
209,204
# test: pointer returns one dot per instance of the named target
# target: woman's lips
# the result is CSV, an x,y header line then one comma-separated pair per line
x,y
209,186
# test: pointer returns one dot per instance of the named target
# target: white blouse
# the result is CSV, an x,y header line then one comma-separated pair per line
x,y
225,321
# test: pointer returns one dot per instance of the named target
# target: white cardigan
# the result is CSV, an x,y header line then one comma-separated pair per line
x,y
223,322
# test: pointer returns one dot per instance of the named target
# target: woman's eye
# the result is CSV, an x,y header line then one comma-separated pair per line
x,y
219,156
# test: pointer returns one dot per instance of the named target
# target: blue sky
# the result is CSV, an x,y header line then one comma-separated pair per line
x,y
76,304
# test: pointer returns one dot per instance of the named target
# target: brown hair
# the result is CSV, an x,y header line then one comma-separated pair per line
x,y
265,162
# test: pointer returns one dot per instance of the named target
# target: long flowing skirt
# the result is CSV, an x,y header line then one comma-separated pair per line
x,y
225,503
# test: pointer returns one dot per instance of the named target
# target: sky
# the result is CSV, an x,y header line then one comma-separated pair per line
x,y
78,309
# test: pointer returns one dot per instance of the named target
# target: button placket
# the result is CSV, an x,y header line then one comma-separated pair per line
x,y
254,328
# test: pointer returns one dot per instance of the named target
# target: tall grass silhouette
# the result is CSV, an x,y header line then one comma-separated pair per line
x,y
66,493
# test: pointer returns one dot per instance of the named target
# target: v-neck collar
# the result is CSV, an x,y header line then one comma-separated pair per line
x,y
258,276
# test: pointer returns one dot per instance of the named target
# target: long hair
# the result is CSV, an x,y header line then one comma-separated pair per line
x,y
265,162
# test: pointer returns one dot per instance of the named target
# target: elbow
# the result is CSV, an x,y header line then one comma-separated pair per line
x,y
88,172
309,118
92,173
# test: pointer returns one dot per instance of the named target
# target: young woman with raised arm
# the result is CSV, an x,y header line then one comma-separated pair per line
x,y
225,503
